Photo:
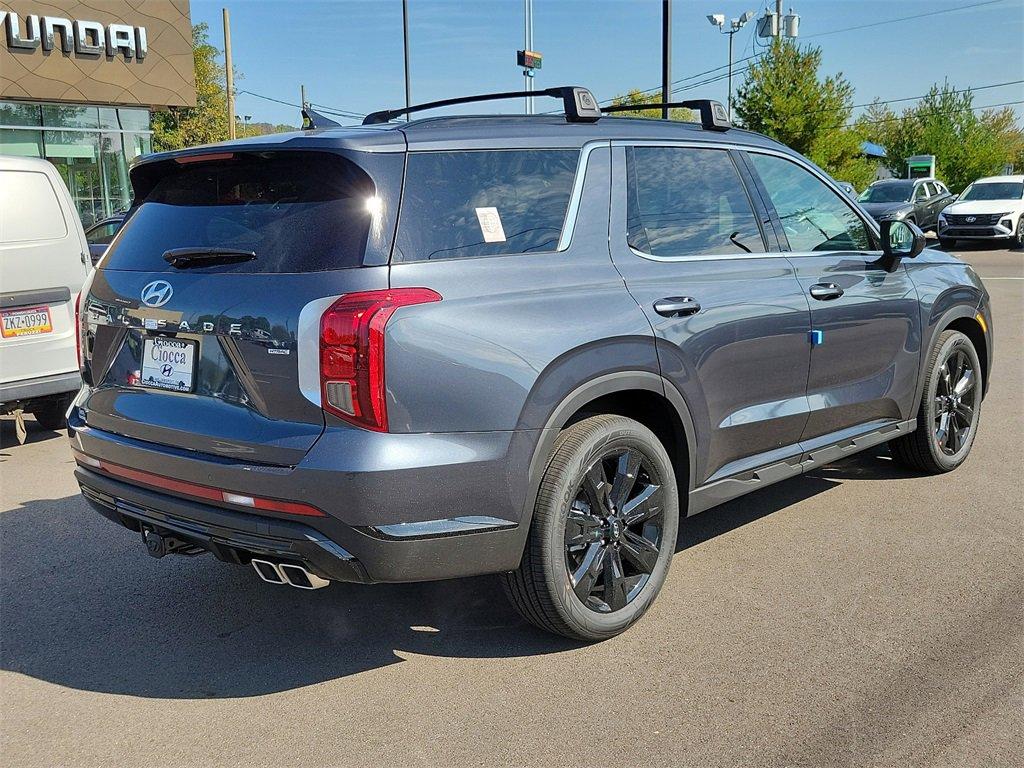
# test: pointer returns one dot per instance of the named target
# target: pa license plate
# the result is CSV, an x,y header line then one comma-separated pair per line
x,y
25,322
168,363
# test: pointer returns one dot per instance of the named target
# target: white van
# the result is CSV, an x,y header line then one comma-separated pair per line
x,y
43,263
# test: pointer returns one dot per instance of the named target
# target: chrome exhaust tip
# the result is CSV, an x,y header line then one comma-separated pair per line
x,y
268,571
300,578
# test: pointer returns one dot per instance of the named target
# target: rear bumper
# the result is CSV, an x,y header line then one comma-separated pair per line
x,y
44,386
450,513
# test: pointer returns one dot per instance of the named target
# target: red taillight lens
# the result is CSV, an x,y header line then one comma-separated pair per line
x,y
78,330
352,353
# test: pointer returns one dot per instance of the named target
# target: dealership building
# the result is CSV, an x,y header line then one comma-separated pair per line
x,y
78,83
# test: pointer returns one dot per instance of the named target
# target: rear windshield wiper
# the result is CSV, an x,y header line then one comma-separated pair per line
x,y
183,258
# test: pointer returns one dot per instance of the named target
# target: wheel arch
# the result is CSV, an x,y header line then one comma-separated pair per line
x,y
635,393
963,318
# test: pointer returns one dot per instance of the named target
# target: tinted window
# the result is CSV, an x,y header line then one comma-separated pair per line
x,y
887,192
102,233
814,217
299,212
28,208
685,202
922,192
462,204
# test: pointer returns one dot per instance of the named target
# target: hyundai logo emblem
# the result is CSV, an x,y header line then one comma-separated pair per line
x,y
167,370
971,219
157,293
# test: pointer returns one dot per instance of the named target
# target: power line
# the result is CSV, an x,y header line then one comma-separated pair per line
x,y
324,108
926,114
820,34
905,18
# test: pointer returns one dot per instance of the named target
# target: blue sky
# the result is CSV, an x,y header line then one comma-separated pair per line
x,y
349,52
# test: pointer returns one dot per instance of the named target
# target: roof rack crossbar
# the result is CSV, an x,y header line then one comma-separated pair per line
x,y
580,104
713,116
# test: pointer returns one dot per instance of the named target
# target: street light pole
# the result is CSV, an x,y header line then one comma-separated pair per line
x,y
666,56
405,42
528,46
735,25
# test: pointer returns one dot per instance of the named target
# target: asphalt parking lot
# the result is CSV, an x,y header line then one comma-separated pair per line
x,y
859,615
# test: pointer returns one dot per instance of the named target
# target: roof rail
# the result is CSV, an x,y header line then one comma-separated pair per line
x,y
312,120
580,104
713,116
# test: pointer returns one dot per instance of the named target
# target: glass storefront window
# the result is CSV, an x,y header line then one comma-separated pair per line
x,y
70,116
133,119
108,118
76,155
21,143
93,155
13,113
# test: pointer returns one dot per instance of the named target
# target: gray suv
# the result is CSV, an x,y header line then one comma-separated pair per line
x,y
503,344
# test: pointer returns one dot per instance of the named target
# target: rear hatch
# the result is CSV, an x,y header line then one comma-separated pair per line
x,y
195,334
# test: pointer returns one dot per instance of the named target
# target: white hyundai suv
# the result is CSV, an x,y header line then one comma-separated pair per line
x,y
989,209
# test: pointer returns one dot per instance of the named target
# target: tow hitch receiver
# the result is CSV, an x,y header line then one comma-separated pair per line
x,y
158,545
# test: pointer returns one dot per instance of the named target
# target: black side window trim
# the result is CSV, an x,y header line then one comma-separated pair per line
x,y
774,214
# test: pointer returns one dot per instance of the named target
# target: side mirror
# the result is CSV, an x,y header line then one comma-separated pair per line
x,y
900,240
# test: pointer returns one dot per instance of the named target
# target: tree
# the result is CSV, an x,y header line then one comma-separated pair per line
x,y
206,122
783,97
637,96
944,123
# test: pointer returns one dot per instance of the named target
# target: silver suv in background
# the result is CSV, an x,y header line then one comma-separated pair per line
x,y
503,344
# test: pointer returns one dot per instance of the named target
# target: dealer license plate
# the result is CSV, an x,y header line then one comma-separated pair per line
x,y
168,363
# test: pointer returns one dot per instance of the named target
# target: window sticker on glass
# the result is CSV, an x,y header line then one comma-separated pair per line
x,y
490,225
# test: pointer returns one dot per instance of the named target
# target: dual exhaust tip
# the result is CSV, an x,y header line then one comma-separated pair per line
x,y
287,573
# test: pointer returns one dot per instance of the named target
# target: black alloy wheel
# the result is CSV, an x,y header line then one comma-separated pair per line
x,y
613,530
956,396
1018,239
603,530
949,411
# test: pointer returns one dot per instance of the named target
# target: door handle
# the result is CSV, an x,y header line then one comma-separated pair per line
x,y
826,291
676,306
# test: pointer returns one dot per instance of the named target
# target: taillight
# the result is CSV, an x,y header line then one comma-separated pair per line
x,y
78,330
352,353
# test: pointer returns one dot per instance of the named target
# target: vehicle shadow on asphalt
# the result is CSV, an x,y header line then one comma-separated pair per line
x,y
83,606
33,434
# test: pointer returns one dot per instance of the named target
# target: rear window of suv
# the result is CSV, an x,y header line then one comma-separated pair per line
x,y
297,211
459,205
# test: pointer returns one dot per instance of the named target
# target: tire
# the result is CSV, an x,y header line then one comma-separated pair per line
x,y
929,448
599,544
51,415
945,243
1017,243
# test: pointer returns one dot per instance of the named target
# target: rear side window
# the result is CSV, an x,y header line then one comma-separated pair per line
x,y
297,211
688,202
814,218
29,209
458,205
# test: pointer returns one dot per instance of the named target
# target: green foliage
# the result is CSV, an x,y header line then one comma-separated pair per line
x,y
636,96
206,122
783,97
966,145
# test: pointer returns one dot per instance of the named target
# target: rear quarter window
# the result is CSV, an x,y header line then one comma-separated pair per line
x,y
297,211
460,205
29,209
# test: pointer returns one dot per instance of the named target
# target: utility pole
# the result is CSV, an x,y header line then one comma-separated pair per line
x,y
528,46
302,96
778,19
230,75
666,55
405,41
